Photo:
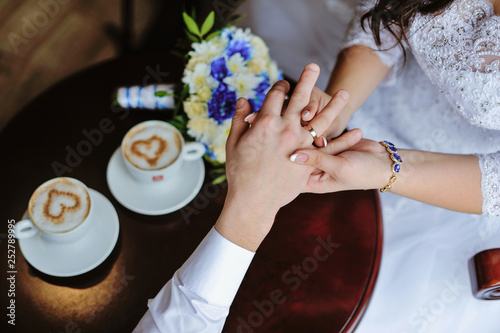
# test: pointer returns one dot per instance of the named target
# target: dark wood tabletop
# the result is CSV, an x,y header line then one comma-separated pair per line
x,y
315,272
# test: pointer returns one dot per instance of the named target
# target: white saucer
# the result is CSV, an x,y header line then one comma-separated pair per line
x,y
59,259
154,199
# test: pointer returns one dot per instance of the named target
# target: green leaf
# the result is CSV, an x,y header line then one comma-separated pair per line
x,y
180,119
192,37
162,93
185,91
175,125
213,35
191,24
219,180
208,24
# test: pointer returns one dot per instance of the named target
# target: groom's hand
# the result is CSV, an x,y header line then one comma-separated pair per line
x,y
318,101
261,177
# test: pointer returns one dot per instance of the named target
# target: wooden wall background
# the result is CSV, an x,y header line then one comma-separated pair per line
x,y
43,41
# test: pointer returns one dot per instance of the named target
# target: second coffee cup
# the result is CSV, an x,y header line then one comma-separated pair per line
x,y
154,151
60,210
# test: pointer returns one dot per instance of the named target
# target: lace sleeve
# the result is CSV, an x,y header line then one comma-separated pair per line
x,y
490,183
390,53
459,50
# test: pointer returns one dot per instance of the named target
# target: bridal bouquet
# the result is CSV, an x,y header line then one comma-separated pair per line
x,y
226,65
221,67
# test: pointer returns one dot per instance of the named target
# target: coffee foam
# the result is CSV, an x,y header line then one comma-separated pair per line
x,y
59,206
152,147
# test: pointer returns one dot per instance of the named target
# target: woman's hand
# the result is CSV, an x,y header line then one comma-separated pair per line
x,y
347,163
319,99
450,181
359,71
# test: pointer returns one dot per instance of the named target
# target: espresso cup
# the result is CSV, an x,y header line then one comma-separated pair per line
x,y
60,210
154,151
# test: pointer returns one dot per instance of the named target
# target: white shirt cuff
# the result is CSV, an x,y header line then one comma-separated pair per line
x,y
215,269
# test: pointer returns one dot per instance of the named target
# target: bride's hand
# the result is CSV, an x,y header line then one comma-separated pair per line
x,y
319,99
347,163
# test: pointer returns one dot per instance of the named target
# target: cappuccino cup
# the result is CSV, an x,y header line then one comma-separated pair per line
x,y
154,151
60,210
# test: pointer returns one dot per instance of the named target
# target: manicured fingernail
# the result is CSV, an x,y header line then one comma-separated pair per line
x,y
344,95
298,158
313,67
325,143
305,114
249,116
240,103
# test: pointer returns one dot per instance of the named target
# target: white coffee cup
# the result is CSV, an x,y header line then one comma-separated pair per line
x,y
60,210
154,151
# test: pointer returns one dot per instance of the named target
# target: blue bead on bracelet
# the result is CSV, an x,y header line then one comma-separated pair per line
x,y
396,165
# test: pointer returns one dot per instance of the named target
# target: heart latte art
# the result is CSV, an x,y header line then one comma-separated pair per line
x,y
152,147
60,205
150,150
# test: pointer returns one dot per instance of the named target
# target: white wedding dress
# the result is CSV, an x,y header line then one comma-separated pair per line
x,y
446,99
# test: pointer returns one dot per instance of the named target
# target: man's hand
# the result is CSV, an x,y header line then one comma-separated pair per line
x,y
261,177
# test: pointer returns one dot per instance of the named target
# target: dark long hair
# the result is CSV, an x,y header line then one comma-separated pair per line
x,y
396,15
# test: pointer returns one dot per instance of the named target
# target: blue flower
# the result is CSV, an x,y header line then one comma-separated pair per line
x,y
254,105
264,85
222,104
219,69
260,94
229,35
240,46
208,151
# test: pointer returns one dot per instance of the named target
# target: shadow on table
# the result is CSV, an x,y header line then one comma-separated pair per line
x,y
86,280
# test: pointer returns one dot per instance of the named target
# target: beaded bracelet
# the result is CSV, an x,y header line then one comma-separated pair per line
x,y
396,166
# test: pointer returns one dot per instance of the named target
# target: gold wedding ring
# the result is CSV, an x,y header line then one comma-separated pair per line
x,y
311,131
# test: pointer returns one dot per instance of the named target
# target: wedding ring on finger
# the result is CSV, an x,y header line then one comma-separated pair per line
x,y
311,131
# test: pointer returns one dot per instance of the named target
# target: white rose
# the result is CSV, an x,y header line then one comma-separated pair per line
x,y
273,72
244,84
260,46
239,33
236,64
196,59
205,94
195,109
212,49
218,145
202,129
199,78
258,65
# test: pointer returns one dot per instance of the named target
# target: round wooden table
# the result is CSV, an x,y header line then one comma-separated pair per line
x,y
315,272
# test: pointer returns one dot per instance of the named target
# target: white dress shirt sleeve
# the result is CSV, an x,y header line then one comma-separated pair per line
x,y
198,297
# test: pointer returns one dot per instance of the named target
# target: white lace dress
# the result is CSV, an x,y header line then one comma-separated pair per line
x,y
446,99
